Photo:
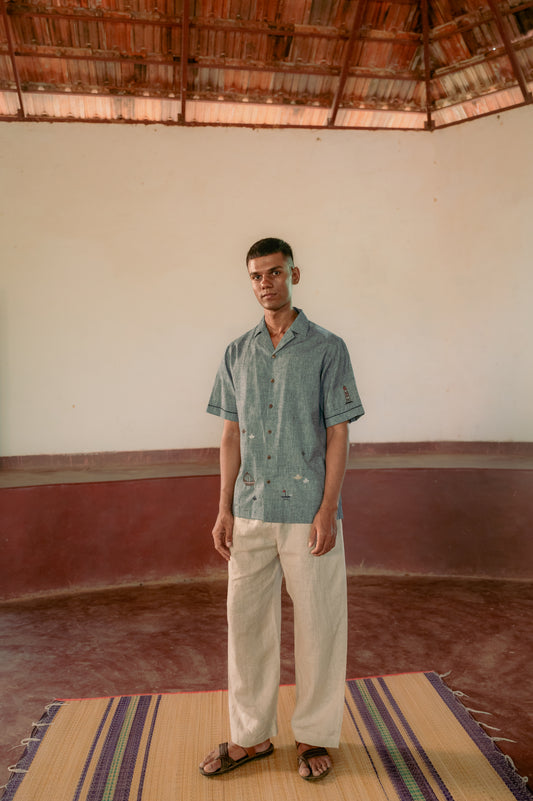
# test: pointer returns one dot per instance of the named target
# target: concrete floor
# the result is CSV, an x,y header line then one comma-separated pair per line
x,y
167,638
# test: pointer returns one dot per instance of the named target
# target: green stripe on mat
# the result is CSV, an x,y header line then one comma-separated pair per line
x,y
391,746
116,764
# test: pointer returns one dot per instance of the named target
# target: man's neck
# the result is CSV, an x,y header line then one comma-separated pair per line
x,y
279,322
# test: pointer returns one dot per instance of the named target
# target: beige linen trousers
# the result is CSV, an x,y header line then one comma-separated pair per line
x,y
261,554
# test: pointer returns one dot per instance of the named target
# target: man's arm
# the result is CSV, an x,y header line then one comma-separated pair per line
x,y
324,528
230,462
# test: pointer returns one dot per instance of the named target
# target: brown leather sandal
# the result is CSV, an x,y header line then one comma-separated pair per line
x,y
304,758
227,762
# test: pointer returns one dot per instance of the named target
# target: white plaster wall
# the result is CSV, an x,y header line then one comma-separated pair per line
x,y
122,275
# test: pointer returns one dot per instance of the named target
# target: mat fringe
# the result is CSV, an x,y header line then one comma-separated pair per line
x,y
483,726
38,727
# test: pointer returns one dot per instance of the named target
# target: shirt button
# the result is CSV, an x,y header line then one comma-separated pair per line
x,y
269,432
269,405
271,380
273,355
268,481
269,457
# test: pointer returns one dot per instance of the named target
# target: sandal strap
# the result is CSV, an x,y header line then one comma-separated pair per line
x,y
312,752
226,761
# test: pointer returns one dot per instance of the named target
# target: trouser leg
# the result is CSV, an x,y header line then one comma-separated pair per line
x,y
254,625
317,586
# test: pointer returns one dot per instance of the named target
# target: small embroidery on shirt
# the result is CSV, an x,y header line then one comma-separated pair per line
x,y
306,481
251,436
297,477
347,395
248,480
285,496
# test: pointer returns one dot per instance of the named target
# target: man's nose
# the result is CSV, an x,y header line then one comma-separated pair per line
x,y
265,279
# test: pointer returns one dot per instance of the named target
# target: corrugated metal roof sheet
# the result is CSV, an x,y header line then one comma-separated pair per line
x,y
304,63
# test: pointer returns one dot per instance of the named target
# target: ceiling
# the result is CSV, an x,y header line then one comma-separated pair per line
x,y
343,64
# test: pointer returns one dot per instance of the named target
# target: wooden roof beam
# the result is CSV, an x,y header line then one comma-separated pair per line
x,y
11,51
68,54
515,64
430,124
467,22
478,60
184,60
354,35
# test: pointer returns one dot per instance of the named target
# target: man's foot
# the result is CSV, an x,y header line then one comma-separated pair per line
x,y
228,756
314,762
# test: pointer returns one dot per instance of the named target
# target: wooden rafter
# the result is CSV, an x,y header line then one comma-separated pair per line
x,y
515,64
430,125
354,35
11,51
184,60
69,54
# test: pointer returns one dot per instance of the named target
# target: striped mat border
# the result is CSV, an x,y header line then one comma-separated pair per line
x,y
404,738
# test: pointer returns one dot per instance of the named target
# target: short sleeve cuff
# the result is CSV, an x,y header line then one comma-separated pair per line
x,y
349,415
218,411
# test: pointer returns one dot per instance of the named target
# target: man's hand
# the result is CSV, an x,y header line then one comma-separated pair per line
x,y
323,535
223,534
230,461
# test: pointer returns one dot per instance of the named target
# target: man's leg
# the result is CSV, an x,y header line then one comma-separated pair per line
x,y
254,631
254,625
317,586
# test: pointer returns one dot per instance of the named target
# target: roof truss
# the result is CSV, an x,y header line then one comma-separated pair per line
x,y
408,64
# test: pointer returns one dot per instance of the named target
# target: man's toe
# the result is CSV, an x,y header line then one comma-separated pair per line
x,y
304,770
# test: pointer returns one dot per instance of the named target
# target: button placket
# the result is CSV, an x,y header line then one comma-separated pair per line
x,y
270,407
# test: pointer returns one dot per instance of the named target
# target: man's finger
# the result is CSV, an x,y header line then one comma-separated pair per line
x,y
324,544
318,550
312,537
223,550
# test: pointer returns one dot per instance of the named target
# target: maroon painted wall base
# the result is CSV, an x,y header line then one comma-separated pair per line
x,y
442,521
436,520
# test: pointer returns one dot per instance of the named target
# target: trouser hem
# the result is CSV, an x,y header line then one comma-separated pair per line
x,y
312,738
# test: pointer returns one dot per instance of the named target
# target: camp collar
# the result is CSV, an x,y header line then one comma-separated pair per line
x,y
299,326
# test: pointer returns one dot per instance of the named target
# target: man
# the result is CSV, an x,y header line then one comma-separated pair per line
x,y
286,392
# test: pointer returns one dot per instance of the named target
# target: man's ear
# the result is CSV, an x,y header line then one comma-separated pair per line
x,y
295,272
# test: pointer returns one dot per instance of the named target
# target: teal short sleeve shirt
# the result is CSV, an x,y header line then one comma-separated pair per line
x,y
284,399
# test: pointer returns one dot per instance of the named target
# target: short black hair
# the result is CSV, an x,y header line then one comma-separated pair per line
x,y
265,247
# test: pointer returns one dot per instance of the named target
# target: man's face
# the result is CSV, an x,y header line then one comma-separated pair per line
x,y
272,280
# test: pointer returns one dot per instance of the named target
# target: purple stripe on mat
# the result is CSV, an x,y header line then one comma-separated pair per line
x,y
28,756
90,755
403,748
129,760
394,774
489,750
101,774
147,752
363,743
415,740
